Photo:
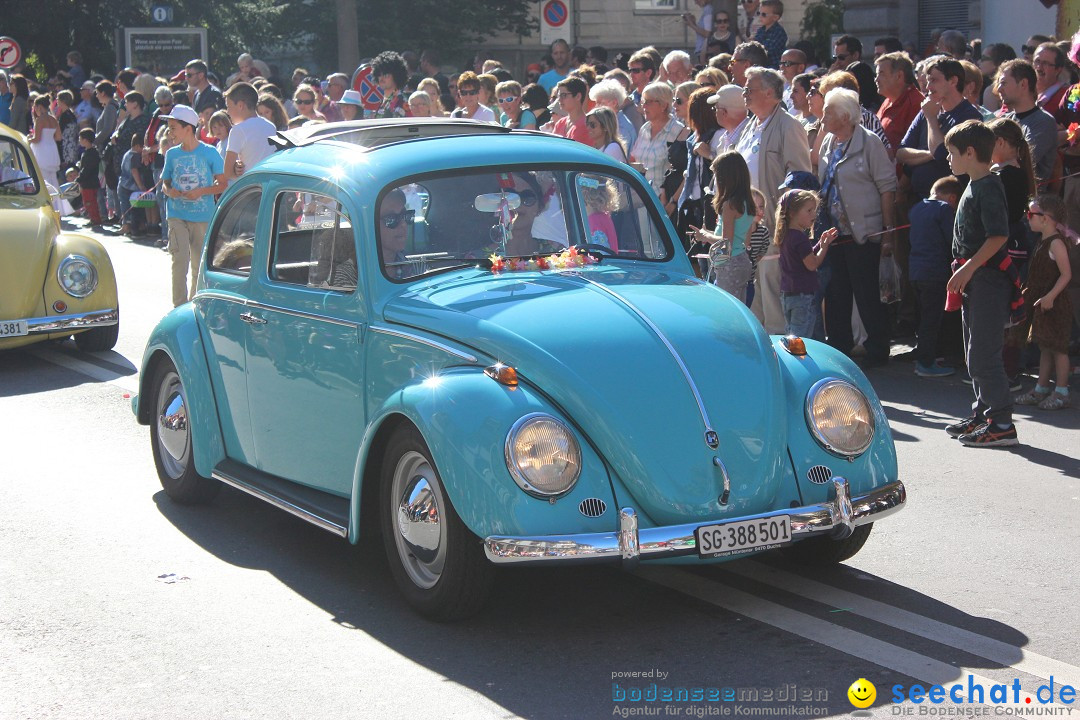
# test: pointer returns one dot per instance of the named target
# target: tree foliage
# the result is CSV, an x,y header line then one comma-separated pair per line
x,y
821,19
265,27
451,28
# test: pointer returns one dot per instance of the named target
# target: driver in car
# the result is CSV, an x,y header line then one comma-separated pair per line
x,y
394,234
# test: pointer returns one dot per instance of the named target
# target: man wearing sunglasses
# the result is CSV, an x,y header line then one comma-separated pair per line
x,y
1033,42
846,50
642,70
201,92
393,227
792,63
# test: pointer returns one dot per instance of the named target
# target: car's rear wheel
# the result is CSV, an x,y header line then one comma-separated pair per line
x,y
98,339
170,436
436,561
826,551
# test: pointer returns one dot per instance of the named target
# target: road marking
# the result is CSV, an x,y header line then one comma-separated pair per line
x,y
850,642
943,633
128,383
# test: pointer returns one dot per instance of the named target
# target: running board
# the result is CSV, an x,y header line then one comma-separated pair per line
x,y
329,512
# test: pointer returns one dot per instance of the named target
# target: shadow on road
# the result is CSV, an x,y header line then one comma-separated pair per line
x,y
550,638
23,371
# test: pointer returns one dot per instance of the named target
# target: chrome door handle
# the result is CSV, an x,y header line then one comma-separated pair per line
x,y
252,319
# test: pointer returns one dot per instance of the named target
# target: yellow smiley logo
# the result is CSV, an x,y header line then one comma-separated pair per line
x,y
862,693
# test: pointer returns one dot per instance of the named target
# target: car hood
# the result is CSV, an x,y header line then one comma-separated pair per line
x,y
25,246
609,345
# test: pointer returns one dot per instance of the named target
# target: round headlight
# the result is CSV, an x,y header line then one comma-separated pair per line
x,y
77,276
840,417
543,456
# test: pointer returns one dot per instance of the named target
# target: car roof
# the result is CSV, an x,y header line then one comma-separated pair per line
x,y
374,133
389,150
8,132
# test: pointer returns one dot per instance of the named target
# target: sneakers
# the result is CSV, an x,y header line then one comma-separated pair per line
x,y
933,371
1054,401
1015,385
965,426
990,435
1031,397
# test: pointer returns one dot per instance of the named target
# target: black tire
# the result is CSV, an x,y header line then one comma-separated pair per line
x,y
98,339
826,551
170,438
439,566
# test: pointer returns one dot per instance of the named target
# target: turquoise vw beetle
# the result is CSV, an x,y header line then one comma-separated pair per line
x,y
489,344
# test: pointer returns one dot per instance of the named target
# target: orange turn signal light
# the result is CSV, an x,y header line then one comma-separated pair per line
x,y
503,374
59,306
793,344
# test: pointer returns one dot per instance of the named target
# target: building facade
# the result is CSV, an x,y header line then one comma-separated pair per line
x,y
630,24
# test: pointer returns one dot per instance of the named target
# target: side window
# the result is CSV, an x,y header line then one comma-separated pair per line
x,y
617,217
233,241
313,243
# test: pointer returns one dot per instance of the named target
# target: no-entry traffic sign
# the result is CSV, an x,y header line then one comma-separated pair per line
x,y
10,53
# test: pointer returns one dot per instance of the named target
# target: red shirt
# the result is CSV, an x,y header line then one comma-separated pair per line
x,y
577,131
896,117
1053,103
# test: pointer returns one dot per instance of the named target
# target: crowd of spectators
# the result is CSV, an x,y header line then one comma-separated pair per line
x,y
852,162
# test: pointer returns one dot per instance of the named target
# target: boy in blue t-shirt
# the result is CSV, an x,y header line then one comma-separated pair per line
x,y
929,268
982,275
194,173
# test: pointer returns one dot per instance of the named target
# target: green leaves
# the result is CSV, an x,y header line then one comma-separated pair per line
x,y
269,29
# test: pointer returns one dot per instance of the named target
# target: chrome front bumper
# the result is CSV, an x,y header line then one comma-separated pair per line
x,y
836,518
75,321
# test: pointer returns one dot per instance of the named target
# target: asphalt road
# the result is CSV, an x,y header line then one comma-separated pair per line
x,y
117,603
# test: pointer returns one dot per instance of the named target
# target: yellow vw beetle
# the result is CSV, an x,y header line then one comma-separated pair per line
x,y
52,284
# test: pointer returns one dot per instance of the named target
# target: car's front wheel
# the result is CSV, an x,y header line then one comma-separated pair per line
x,y
436,561
826,551
98,339
170,436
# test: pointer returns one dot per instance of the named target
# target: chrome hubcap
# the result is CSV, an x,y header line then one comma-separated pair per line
x,y
420,534
173,432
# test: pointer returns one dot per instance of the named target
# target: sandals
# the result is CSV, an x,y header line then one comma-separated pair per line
x,y
1032,398
1055,401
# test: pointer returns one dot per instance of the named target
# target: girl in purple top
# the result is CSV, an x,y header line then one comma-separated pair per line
x,y
799,259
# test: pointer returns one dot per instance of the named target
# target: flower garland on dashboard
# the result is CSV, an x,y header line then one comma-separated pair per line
x,y
568,259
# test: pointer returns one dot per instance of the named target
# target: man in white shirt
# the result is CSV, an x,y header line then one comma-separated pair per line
x,y
247,143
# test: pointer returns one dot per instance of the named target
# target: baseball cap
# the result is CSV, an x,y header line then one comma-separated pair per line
x,y
88,85
350,97
534,67
730,95
184,114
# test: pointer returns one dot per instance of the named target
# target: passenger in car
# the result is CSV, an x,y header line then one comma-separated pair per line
x,y
600,201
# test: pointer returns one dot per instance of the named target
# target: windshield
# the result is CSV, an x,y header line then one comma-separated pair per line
x,y
447,221
17,174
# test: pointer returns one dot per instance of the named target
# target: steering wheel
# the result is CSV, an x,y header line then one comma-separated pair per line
x,y
598,249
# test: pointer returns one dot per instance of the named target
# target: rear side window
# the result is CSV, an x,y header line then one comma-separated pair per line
x,y
313,243
233,241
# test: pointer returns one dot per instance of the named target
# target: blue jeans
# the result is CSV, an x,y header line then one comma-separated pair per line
x,y
799,313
